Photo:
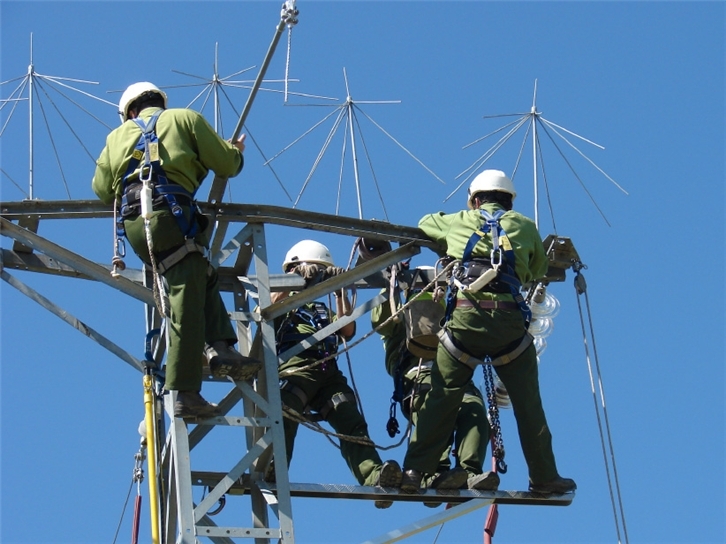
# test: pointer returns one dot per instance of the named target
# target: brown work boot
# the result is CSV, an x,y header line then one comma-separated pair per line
x,y
411,481
225,361
191,405
389,476
450,479
488,481
556,486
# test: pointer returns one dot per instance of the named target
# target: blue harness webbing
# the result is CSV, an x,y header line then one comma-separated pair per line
x,y
502,260
317,318
151,170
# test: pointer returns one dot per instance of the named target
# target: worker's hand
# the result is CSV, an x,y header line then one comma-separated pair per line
x,y
240,144
333,271
312,273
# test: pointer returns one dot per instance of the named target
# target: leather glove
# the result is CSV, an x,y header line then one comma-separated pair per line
x,y
333,271
312,273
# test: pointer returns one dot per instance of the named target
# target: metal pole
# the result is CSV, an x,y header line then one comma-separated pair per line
x,y
533,114
150,424
31,72
287,17
355,158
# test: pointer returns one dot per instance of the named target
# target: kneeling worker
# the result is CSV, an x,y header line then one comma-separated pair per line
x,y
322,388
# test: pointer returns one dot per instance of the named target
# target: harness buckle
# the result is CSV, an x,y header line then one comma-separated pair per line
x,y
146,173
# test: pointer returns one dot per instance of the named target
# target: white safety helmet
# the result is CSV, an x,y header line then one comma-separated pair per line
x,y
490,180
133,92
307,251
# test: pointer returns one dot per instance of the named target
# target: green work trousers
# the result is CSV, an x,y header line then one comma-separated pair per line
x,y
198,315
471,429
320,384
484,333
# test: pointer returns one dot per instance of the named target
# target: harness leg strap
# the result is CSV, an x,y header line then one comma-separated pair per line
x,y
190,246
295,390
335,400
472,362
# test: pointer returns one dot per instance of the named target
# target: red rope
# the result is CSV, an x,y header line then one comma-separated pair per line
x,y
137,517
490,525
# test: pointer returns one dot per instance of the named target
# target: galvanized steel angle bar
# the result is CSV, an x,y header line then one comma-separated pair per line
x,y
239,532
232,477
73,321
431,521
232,246
180,472
83,265
333,327
339,282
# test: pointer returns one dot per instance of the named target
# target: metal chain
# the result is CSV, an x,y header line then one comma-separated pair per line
x,y
493,410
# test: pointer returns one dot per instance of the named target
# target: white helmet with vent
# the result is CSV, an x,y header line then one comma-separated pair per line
x,y
490,180
307,251
133,92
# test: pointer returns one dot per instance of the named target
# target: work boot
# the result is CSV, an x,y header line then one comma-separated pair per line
x,y
191,405
557,486
411,481
488,481
450,479
225,361
389,476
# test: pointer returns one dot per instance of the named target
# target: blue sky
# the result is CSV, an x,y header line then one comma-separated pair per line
x,y
643,79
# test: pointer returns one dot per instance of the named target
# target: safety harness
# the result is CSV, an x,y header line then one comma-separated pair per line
x,y
316,316
496,274
151,174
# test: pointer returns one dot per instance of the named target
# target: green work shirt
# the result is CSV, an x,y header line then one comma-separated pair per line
x,y
452,232
188,149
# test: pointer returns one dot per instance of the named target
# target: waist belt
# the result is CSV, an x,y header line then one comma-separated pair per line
x,y
488,304
472,362
131,199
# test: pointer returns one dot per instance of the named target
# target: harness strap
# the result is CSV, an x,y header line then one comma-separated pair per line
x,y
472,362
190,246
147,148
492,226
487,304
334,402
297,391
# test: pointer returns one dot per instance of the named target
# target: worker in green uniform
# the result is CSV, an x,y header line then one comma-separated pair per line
x,y
154,163
412,381
321,390
487,324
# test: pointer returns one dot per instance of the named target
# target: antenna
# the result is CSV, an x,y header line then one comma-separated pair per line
x,y
533,120
37,86
348,112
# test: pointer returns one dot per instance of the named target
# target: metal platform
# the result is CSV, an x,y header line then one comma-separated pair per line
x,y
343,491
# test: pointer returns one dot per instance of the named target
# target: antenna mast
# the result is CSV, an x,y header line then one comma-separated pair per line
x,y
31,76
533,115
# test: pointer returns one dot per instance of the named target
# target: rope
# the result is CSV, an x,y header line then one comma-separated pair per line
x,y
137,478
580,289
162,303
348,347
294,415
123,512
314,426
